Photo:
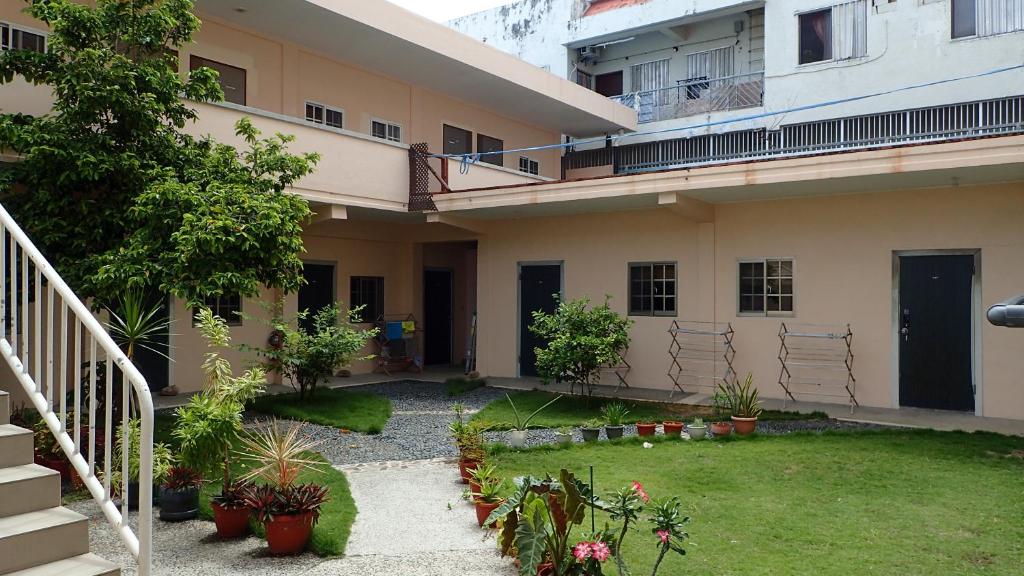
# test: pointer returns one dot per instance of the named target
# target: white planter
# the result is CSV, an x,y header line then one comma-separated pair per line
x,y
517,438
563,438
697,432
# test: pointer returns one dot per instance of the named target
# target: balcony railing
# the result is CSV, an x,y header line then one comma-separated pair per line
x,y
696,97
921,125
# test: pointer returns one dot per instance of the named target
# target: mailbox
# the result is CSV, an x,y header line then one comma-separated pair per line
x,y
1009,313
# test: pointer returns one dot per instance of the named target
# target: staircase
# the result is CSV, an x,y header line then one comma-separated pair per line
x,y
38,537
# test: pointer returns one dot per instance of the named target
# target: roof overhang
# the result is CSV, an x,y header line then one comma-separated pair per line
x,y
384,38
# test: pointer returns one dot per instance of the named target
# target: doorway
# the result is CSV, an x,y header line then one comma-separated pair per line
x,y
935,331
153,360
538,285
318,292
437,317
609,84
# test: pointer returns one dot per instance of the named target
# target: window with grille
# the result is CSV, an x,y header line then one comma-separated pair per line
x,y
766,286
386,130
652,289
488,144
836,33
15,38
529,166
321,114
649,76
986,17
228,307
367,291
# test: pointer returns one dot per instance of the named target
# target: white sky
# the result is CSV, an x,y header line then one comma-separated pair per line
x,y
442,10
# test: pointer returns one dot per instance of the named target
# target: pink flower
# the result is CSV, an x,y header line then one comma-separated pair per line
x,y
601,551
664,535
639,489
581,551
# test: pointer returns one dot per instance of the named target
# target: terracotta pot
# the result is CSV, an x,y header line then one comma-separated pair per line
x,y
483,510
474,488
744,426
465,467
231,522
646,428
673,428
721,428
178,505
288,534
614,432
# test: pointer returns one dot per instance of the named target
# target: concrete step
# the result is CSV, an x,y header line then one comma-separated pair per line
x,y
15,446
5,407
84,565
36,538
28,488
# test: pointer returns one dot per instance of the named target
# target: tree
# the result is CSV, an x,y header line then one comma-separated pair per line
x,y
112,190
580,341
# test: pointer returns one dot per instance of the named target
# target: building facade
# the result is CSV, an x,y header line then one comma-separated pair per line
x,y
896,216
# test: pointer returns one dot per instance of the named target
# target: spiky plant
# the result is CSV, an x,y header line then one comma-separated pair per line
x,y
277,456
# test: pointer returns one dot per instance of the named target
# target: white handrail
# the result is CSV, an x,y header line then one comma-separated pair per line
x,y
42,374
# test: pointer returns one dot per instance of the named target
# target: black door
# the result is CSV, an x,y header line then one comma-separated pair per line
x,y
935,332
538,287
317,292
609,84
437,317
152,358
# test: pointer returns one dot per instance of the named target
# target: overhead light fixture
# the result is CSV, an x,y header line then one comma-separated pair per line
x,y
241,9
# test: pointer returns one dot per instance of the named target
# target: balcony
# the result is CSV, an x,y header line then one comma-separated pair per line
x,y
693,97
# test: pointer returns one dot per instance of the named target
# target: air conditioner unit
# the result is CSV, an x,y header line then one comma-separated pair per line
x,y
588,53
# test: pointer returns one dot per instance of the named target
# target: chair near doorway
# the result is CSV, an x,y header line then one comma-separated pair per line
x,y
396,340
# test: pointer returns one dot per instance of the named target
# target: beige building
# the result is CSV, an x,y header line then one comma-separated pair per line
x,y
906,238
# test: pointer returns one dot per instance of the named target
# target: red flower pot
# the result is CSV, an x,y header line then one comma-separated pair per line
x,y
483,510
721,428
231,522
744,426
288,534
646,428
673,428
465,467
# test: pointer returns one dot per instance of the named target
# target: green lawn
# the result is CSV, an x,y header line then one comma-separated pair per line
x,y
460,386
574,410
331,533
357,411
893,502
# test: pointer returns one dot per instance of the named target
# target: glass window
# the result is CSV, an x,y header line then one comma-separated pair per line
x,y
766,286
529,166
228,307
386,131
652,289
334,118
964,18
457,140
488,144
320,114
367,291
816,36
14,38
231,78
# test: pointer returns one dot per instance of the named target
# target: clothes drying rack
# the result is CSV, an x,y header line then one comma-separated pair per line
x,y
397,344
702,354
817,360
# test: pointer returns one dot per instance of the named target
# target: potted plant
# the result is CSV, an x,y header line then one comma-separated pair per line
x,y
287,510
672,428
591,429
563,435
487,489
646,428
179,494
469,440
614,416
745,405
517,436
722,403
210,424
162,462
696,429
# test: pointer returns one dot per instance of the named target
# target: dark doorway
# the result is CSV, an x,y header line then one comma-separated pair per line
x,y
538,285
609,84
317,292
437,317
152,359
935,332
457,140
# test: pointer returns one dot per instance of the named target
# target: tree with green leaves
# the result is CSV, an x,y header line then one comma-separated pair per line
x,y
110,187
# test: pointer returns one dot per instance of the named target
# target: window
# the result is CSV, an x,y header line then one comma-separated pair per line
x,y
964,18
986,17
529,166
15,38
457,140
488,144
320,114
367,291
836,33
386,130
766,286
228,307
231,78
652,289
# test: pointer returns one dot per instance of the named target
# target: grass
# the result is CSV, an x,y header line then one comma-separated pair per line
x,y
891,502
331,533
357,411
574,410
460,386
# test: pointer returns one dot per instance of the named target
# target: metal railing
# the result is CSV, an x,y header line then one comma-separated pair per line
x,y
922,125
696,96
48,337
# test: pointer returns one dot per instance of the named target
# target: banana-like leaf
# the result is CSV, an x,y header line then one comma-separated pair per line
x,y
531,537
572,501
508,533
523,486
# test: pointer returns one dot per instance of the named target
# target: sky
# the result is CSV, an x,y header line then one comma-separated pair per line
x,y
442,10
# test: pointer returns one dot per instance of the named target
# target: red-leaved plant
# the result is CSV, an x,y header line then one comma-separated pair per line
x,y
268,501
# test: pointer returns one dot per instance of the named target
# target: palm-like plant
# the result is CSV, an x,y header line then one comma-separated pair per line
x,y
138,325
523,423
615,413
278,456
